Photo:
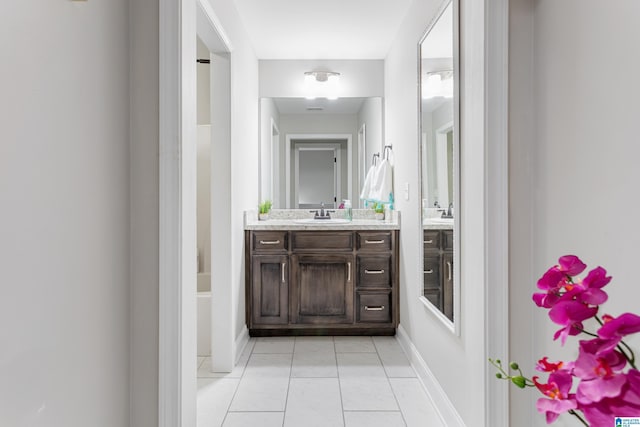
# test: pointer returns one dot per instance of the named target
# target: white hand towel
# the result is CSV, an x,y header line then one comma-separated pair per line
x,y
382,186
366,188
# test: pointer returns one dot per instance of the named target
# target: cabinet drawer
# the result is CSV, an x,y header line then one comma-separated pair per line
x,y
374,271
374,241
432,272
431,240
321,240
374,307
270,241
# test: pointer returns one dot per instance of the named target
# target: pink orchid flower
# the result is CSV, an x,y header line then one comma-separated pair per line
x,y
618,327
558,400
570,315
600,374
544,365
558,284
627,404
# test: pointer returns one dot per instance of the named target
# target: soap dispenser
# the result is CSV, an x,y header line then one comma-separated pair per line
x,y
348,212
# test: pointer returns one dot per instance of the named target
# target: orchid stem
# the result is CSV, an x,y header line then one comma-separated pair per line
x,y
632,358
575,414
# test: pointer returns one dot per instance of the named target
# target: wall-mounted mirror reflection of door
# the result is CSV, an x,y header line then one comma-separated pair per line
x,y
354,126
439,164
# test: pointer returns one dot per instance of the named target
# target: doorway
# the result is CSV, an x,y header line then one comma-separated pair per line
x,y
345,143
183,22
317,171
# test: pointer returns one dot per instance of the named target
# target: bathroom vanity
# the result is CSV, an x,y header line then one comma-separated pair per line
x,y
321,279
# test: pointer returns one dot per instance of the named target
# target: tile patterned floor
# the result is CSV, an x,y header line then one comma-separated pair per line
x,y
315,381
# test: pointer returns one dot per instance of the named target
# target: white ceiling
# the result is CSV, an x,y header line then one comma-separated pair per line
x,y
328,29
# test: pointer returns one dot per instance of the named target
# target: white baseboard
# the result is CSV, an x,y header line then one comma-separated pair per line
x,y
241,342
441,402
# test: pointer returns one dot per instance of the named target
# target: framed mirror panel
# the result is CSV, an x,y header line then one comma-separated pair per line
x,y
439,145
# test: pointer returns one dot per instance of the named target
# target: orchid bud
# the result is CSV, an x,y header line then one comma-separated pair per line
x,y
514,365
519,381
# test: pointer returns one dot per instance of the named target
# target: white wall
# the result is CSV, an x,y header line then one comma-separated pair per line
x,y
204,84
268,113
577,172
457,363
144,199
203,208
64,234
244,146
371,115
285,78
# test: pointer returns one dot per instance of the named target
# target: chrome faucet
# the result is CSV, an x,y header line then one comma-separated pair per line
x,y
449,212
322,214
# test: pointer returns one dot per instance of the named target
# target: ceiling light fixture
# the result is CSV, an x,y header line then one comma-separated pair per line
x,y
438,84
321,84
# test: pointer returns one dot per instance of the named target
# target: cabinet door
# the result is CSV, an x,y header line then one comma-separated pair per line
x,y
447,284
323,291
270,289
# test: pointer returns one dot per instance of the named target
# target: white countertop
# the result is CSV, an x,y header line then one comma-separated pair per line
x,y
288,224
300,220
437,224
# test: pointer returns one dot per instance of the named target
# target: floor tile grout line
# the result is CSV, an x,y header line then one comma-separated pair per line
x,y
335,356
390,385
286,399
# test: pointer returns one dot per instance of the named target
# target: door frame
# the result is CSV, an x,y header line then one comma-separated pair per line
x,y
337,168
179,23
317,136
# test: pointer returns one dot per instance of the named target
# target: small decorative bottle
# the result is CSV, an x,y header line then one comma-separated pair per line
x,y
348,211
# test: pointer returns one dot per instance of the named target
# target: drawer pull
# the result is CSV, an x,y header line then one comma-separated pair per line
x,y
449,268
374,308
373,271
348,272
283,266
428,242
269,242
374,242
430,271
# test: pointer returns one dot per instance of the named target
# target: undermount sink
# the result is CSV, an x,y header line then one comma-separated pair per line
x,y
321,221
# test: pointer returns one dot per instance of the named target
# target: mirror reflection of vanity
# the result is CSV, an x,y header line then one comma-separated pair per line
x,y
439,164
315,151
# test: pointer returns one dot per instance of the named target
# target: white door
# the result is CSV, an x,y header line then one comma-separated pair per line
x,y
316,177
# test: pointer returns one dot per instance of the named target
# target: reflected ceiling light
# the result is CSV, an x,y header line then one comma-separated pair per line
x,y
321,84
438,84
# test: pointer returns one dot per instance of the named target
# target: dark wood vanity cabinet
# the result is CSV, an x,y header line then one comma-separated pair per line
x,y
322,282
438,269
270,289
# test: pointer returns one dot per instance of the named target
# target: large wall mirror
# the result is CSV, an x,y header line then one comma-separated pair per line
x,y
317,151
439,165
